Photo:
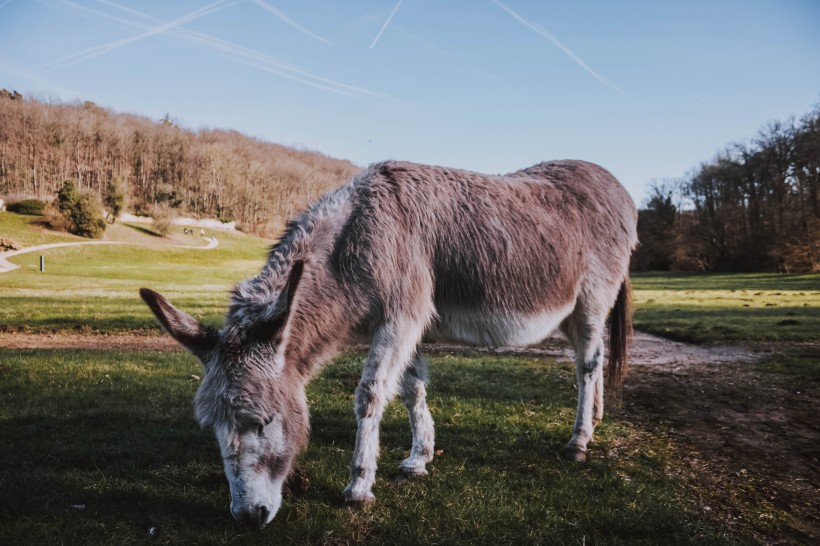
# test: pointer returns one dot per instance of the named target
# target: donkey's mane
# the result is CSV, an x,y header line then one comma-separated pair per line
x,y
256,299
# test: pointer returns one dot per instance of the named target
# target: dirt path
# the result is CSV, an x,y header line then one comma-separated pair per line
x,y
646,350
6,265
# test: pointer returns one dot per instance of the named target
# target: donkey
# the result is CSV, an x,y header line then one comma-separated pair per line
x,y
399,252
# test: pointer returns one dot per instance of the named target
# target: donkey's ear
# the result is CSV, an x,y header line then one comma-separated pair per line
x,y
184,328
290,289
273,327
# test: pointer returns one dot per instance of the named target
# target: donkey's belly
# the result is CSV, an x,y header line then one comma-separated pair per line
x,y
495,330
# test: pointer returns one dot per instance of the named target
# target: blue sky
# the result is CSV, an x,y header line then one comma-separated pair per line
x,y
648,89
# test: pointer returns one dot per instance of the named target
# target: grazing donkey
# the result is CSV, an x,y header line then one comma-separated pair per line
x,y
399,252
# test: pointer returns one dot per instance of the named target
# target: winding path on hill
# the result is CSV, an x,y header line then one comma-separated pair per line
x,y
6,266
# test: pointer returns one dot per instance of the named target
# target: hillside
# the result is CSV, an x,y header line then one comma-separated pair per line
x,y
204,173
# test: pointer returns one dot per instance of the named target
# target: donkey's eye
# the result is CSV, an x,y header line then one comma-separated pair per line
x,y
260,430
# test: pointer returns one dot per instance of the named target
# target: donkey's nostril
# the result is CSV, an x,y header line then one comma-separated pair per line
x,y
256,517
264,512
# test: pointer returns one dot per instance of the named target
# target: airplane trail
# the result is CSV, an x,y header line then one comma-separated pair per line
x,y
384,26
284,18
96,51
235,52
538,29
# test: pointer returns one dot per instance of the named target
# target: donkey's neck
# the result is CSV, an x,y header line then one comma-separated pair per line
x,y
320,324
320,321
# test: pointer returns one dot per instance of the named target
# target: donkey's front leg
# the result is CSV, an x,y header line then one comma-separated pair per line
x,y
589,371
414,396
390,354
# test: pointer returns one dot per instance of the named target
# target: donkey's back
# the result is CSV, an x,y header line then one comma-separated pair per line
x,y
489,260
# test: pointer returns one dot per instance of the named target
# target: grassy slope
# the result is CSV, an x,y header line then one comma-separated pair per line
x,y
96,287
23,230
114,431
705,308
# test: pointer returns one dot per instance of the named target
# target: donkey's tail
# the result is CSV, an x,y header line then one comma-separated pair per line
x,y
620,334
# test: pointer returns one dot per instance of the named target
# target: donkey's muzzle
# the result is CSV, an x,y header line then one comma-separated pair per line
x,y
256,517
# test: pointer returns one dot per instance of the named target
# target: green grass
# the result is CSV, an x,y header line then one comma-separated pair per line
x,y
96,287
802,365
113,431
25,231
709,308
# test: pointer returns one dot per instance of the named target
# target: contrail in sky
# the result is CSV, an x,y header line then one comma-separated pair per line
x,y
284,18
551,37
233,51
538,29
96,51
392,13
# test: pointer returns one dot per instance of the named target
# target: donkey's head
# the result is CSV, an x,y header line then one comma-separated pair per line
x,y
254,404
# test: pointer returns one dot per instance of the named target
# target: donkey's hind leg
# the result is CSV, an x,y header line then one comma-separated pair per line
x,y
585,332
414,395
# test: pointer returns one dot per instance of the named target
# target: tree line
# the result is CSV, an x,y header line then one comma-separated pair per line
x,y
157,164
754,207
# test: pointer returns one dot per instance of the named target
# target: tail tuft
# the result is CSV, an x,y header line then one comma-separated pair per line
x,y
620,335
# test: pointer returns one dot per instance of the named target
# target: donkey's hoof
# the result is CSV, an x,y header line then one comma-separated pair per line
x,y
413,471
358,497
360,503
575,454
412,467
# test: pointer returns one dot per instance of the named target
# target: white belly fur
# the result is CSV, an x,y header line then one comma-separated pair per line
x,y
511,330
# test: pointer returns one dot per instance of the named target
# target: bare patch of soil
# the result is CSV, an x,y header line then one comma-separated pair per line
x,y
749,442
646,350
80,340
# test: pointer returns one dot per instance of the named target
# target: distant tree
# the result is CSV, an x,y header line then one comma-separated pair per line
x,y
163,220
87,217
656,231
114,199
10,95
81,210
67,196
167,196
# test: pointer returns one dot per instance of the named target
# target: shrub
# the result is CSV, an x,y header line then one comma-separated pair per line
x,y
54,219
81,212
114,199
163,220
67,197
34,207
87,217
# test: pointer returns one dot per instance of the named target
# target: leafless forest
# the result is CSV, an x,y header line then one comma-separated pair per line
x,y
210,173
754,207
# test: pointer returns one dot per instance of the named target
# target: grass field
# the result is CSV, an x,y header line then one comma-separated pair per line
x,y
22,229
114,432
703,308
95,288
